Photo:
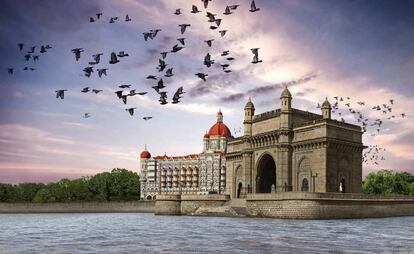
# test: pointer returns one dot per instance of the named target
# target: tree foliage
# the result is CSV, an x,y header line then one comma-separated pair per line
x,y
117,185
387,182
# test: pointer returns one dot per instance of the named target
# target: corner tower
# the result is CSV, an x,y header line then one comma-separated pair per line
x,y
248,118
326,109
285,109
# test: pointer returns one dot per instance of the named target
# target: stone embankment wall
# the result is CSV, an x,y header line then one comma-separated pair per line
x,y
188,204
299,205
289,205
79,207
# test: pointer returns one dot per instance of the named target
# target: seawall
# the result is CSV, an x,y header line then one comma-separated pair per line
x,y
79,207
288,205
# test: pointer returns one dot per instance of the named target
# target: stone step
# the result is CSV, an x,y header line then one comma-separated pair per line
x,y
240,211
238,202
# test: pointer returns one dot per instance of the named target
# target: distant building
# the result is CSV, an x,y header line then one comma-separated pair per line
x,y
190,174
282,150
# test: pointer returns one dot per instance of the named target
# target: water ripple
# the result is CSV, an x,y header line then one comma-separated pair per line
x,y
146,233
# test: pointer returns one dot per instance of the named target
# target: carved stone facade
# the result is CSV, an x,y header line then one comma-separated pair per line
x,y
288,149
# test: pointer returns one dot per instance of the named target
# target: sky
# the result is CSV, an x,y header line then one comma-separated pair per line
x,y
363,50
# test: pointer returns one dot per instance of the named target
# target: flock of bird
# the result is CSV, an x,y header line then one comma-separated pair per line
x,y
32,54
344,105
166,73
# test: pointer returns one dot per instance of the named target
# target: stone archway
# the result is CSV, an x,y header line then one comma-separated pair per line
x,y
239,188
266,174
238,178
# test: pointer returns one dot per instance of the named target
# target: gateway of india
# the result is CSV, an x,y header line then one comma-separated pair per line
x,y
283,150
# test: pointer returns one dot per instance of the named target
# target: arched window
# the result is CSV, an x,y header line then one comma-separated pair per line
x,y
342,186
305,185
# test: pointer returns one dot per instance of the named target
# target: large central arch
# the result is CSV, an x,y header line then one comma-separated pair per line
x,y
266,174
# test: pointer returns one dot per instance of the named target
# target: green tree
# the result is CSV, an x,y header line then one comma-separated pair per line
x,y
387,182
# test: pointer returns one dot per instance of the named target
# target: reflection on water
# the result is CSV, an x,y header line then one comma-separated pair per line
x,y
146,233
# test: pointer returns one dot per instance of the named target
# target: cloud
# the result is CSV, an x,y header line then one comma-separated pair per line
x,y
269,88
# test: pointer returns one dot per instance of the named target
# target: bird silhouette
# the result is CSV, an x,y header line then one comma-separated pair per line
x,y
96,91
122,54
77,53
127,18
114,58
85,90
146,118
169,73
101,71
151,77
177,12
20,45
10,70
209,42
194,9
202,76
124,86
227,11
131,111
182,41
253,7
255,52
183,27
86,115
223,32
176,48
60,94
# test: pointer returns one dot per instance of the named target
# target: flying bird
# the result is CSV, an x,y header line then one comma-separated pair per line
x,y
205,2
169,73
119,94
182,41
208,61
176,48
146,118
255,52
96,91
124,86
183,27
122,54
114,59
225,53
195,9
253,7
101,71
96,58
127,18
10,70
227,11
151,77
177,12
77,52
162,65
211,17
85,90
154,32
147,35
131,111
209,42
86,115
112,19
223,32
60,94
88,71
202,76
20,45
164,54
98,15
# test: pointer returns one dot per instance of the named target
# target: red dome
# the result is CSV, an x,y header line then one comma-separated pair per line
x,y
145,155
206,135
219,129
